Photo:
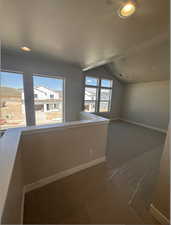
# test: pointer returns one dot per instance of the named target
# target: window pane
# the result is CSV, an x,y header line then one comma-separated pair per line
x,y
48,100
90,94
91,81
104,107
12,108
105,94
106,83
89,106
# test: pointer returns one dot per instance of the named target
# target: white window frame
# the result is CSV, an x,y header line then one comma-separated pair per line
x,y
98,87
16,72
28,87
63,88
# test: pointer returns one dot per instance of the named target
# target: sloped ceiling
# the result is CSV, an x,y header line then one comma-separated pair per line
x,y
150,63
89,33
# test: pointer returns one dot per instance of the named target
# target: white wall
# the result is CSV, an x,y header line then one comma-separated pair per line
x,y
147,103
59,150
13,204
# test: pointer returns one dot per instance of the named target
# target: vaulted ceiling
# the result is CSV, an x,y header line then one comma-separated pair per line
x,y
89,33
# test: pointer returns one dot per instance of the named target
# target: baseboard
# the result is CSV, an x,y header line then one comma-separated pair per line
x,y
62,174
144,125
158,215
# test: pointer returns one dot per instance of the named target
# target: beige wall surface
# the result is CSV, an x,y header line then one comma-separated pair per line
x,y
44,152
147,103
13,205
48,153
162,195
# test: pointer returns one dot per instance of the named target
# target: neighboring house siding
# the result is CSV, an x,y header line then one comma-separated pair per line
x,y
47,100
44,93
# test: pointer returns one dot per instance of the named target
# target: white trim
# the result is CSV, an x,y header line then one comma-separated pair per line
x,y
158,215
144,125
60,175
63,126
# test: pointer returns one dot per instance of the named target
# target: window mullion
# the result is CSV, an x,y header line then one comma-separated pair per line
x,y
98,96
98,86
29,99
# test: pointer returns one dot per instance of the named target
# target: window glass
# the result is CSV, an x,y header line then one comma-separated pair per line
x,y
105,94
90,93
90,99
106,83
104,107
89,106
91,81
97,99
12,106
48,100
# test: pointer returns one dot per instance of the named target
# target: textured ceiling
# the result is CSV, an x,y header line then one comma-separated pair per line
x,y
149,63
89,32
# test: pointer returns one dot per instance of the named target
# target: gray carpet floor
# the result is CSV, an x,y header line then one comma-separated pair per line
x,y
116,192
134,160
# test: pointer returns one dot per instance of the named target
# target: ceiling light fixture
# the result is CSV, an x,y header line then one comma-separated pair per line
x,y
127,9
26,49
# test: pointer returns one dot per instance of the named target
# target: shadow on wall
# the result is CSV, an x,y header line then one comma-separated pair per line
x,y
46,153
147,103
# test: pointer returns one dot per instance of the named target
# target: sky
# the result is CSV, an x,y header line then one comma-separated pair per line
x,y
11,80
94,82
14,80
51,83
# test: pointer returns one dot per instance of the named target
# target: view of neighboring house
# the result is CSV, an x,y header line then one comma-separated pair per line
x,y
91,98
47,100
48,106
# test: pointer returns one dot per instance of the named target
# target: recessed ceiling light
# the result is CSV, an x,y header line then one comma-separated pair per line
x,y
26,49
127,9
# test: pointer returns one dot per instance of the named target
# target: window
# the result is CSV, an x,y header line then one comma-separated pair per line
x,y
105,100
47,107
106,83
98,94
91,81
90,99
49,103
12,105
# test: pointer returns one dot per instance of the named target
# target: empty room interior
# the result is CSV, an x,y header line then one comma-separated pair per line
x,y
84,112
